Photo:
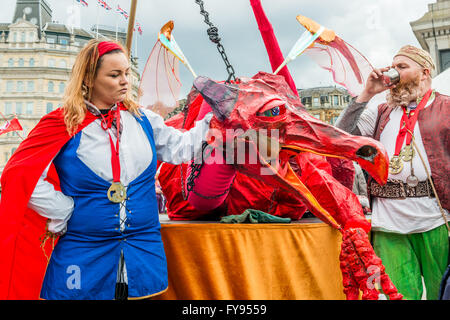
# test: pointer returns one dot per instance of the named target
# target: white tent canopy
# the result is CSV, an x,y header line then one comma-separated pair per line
x,y
442,82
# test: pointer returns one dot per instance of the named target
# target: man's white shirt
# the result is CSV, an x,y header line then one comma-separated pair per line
x,y
410,215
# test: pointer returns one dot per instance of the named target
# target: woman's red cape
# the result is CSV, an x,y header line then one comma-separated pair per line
x,y
23,262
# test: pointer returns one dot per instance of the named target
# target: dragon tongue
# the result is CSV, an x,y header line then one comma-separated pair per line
x,y
283,174
313,205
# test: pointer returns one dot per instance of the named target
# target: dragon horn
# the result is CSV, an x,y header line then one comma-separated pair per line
x,y
221,97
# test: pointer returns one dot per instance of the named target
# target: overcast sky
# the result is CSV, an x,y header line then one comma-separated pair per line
x,y
376,28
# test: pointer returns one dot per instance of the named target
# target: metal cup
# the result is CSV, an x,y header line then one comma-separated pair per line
x,y
391,77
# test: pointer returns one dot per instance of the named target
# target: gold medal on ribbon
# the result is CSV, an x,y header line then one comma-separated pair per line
x,y
395,165
117,192
407,153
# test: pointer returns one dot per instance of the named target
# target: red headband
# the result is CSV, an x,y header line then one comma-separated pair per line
x,y
106,46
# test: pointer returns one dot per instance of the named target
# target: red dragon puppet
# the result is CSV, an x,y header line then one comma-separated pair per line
x,y
270,154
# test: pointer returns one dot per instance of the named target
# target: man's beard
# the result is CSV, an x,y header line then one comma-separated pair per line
x,y
404,93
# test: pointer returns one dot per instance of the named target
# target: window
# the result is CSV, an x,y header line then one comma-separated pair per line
x,y
63,64
29,108
22,37
9,86
6,156
51,86
19,108
30,86
8,108
21,62
51,63
19,86
323,99
316,101
11,62
335,100
51,40
444,59
64,42
333,121
306,100
31,62
49,107
14,36
62,86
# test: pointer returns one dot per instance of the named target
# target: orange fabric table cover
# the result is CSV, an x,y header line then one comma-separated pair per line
x,y
215,261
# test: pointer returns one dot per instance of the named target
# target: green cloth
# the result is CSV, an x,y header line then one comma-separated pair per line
x,y
254,216
408,257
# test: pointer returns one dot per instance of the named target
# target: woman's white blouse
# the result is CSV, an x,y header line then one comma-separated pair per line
x,y
135,153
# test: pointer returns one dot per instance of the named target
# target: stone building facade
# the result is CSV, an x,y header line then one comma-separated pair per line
x,y
36,58
432,31
325,103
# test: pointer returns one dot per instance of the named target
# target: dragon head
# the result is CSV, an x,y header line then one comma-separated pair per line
x,y
262,117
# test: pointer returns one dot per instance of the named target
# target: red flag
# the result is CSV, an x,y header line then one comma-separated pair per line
x,y
12,125
139,28
104,4
122,12
84,3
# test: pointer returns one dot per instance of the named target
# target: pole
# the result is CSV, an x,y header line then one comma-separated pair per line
x,y
131,25
136,44
436,50
98,7
117,19
73,13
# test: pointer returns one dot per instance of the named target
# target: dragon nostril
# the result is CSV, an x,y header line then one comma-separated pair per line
x,y
367,153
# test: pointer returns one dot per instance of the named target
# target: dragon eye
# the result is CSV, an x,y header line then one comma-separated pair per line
x,y
272,112
275,111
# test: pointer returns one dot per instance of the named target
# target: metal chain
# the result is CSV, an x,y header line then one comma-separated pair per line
x,y
195,172
213,34
214,37
272,200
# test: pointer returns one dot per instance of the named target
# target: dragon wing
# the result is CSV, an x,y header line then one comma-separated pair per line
x,y
348,66
160,84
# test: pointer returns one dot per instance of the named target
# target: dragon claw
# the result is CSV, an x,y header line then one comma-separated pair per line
x,y
362,269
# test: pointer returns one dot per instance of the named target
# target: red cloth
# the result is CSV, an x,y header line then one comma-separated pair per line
x,y
271,43
170,175
23,263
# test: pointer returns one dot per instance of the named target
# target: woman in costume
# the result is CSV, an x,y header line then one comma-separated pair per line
x,y
89,169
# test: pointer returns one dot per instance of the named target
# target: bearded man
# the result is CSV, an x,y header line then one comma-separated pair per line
x,y
409,213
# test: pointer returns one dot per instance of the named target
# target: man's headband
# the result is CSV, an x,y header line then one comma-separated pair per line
x,y
418,55
107,46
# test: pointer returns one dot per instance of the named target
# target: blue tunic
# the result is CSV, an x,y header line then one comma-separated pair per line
x,y
85,261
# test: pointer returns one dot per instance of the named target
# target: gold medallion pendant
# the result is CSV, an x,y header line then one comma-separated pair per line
x,y
395,165
117,192
407,153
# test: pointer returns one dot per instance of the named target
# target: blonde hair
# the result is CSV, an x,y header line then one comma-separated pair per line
x,y
79,87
